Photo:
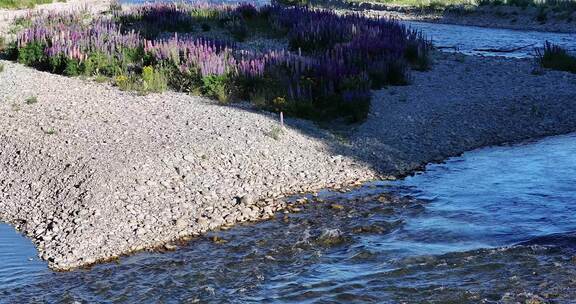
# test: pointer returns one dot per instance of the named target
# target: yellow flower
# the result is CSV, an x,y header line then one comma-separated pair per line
x,y
147,73
121,81
278,101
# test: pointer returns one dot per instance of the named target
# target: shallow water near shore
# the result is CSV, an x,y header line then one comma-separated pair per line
x,y
496,224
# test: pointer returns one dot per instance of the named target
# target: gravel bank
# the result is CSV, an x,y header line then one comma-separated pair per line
x,y
463,103
514,18
90,172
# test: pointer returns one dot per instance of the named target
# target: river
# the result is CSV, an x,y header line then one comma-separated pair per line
x,y
494,225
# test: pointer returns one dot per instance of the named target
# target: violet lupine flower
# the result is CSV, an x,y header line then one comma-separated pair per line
x,y
206,57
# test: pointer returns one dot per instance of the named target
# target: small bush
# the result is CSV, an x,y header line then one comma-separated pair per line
x,y
49,131
275,132
123,82
100,64
237,29
19,24
31,100
2,44
292,2
205,27
218,87
32,55
542,16
417,53
557,58
1,67
154,80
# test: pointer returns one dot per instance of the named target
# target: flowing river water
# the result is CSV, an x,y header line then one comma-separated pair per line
x,y
496,225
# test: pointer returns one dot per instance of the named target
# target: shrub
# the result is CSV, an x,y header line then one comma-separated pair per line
x,y
334,62
32,54
123,82
205,27
218,87
31,100
154,80
417,52
238,30
98,63
542,16
557,58
292,2
2,44
275,132
1,67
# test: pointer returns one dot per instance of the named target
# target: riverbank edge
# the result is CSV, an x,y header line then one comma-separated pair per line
x,y
277,204
488,16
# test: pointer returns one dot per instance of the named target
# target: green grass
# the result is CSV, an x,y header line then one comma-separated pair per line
x,y
18,4
556,58
50,131
31,100
275,132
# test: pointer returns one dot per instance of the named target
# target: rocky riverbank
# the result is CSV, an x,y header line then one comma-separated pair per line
x,y
463,103
507,17
90,172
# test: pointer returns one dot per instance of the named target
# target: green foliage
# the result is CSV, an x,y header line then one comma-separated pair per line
x,y
73,68
542,15
2,44
292,2
237,29
19,24
150,80
100,64
218,87
33,55
418,55
556,58
100,78
206,27
49,131
31,100
18,4
124,82
275,132
154,80
1,67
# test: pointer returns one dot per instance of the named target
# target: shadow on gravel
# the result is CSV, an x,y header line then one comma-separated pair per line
x,y
460,105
